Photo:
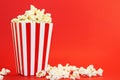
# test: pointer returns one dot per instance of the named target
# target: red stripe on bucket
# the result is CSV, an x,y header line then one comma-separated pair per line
x,y
37,45
17,46
45,45
20,28
28,30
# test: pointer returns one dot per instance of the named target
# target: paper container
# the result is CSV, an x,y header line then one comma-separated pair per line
x,y
32,46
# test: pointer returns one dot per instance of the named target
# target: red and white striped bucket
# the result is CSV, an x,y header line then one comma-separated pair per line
x,y
32,46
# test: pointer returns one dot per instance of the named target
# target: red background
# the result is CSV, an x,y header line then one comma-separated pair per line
x,y
85,32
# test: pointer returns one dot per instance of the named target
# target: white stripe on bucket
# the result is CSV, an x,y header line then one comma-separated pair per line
x,y
19,46
41,46
15,45
48,44
32,66
24,48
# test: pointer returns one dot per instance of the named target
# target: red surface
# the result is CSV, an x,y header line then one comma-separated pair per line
x,y
15,77
85,32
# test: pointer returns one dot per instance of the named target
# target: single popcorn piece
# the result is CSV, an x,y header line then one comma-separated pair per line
x,y
72,77
90,67
3,72
83,71
91,74
60,66
100,72
32,8
14,20
48,77
49,68
7,70
91,71
75,75
73,68
34,15
40,74
1,77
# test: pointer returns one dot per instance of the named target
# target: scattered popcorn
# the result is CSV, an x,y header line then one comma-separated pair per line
x,y
90,71
34,15
4,72
68,71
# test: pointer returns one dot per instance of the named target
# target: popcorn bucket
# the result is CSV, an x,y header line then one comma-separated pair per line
x,y
32,46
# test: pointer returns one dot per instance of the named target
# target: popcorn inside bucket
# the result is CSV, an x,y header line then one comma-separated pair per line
x,y
34,15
